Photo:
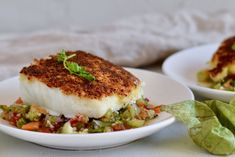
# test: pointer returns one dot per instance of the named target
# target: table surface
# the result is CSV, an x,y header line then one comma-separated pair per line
x,y
170,141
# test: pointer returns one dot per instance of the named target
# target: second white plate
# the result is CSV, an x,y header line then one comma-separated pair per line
x,y
184,65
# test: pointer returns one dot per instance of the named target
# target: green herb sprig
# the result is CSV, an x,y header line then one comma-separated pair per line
x,y
73,67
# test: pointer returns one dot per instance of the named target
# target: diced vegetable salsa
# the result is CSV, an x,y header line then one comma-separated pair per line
x,y
226,83
35,118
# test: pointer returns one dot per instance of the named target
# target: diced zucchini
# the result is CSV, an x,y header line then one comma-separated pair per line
x,y
67,128
231,69
22,109
21,122
217,86
110,116
203,76
151,114
136,123
4,108
35,113
33,116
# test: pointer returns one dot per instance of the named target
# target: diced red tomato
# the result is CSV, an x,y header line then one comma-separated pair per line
x,y
14,118
73,122
78,119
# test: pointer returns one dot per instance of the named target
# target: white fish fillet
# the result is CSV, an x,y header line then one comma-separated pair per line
x,y
34,91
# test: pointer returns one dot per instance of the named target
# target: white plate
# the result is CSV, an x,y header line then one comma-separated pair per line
x,y
184,65
159,88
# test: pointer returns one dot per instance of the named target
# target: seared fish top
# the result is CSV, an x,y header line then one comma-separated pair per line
x,y
223,57
110,79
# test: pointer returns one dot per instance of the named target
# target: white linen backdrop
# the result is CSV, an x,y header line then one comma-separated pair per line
x,y
134,41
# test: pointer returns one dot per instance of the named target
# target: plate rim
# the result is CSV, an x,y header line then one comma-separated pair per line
x,y
127,68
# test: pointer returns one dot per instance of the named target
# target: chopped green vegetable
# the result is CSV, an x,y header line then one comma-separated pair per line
x,y
233,47
136,123
4,108
52,119
83,131
101,124
21,122
110,116
151,114
128,114
217,86
205,128
73,67
233,84
232,101
96,130
80,126
35,118
34,114
22,109
203,76
67,129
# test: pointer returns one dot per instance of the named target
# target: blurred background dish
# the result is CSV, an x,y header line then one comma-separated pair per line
x,y
184,66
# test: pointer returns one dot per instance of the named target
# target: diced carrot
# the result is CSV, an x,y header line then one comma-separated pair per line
x,y
143,113
31,126
227,84
140,103
14,118
118,127
157,109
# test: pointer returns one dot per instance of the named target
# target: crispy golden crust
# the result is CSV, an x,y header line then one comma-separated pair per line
x,y
224,56
110,79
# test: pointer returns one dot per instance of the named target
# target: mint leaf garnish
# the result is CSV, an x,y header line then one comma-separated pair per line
x,y
73,67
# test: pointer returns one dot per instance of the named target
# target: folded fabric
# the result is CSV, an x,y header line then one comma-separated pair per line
x,y
135,41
